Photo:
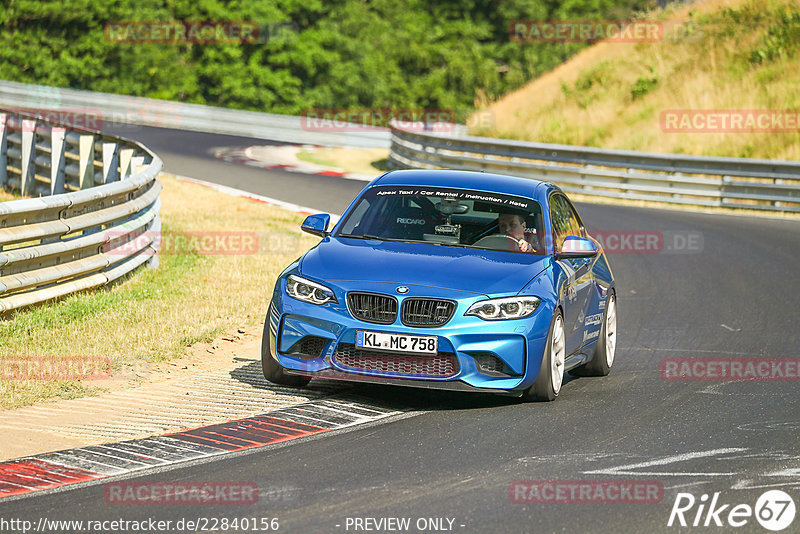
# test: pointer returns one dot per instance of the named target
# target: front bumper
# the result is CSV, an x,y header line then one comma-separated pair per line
x,y
446,385
474,355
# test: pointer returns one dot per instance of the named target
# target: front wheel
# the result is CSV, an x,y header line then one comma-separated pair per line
x,y
551,372
273,371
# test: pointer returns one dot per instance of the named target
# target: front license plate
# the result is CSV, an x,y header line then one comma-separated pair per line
x,y
397,342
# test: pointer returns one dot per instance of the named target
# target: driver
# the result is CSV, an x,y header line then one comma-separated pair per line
x,y
513,225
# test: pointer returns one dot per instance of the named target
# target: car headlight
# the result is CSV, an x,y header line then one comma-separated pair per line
x,y
504,308
308,291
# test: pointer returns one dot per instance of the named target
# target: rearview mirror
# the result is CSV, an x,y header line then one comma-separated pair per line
x,y
450,206
316,224
577,247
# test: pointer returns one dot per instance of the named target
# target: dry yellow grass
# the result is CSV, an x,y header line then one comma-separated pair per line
x,y
158,313
368,161
5,195
612,94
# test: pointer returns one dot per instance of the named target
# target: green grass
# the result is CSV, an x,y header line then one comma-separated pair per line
x,y
156,314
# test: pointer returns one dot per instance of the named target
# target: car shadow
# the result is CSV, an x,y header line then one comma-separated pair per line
x,y
385,396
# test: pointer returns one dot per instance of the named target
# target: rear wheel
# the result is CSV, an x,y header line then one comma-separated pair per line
x,y
273,371
606,347
551,372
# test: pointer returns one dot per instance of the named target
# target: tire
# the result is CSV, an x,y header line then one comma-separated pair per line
x,y
606,346
551,373
273,371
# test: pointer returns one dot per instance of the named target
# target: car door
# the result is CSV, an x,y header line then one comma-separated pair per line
x,y
566,222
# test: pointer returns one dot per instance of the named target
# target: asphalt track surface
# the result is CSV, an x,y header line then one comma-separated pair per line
x,y
192,154
455,455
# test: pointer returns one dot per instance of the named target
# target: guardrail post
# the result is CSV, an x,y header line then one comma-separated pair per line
x,y
626,180
125,156
57,149
3,149
136,162
28,154
155,227
86,161
726,179
110,162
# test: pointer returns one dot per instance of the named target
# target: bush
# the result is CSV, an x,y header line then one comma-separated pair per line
x,y
338,54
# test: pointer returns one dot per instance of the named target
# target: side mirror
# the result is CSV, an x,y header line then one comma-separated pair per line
x,y
577,247
316,224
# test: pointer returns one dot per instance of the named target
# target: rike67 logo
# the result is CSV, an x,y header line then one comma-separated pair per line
x,y
774,510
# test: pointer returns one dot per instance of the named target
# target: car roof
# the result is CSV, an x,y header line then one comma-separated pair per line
x,y
480,181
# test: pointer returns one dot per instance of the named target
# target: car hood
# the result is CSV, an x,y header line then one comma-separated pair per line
x,y
486,272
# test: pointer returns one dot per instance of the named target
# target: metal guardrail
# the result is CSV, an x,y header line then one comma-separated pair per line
x,y
675,179
111,108
97,218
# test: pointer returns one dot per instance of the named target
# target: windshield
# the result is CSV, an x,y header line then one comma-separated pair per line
x,y
448,217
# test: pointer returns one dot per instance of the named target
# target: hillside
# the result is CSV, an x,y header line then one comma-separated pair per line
x,y
297,54
734,55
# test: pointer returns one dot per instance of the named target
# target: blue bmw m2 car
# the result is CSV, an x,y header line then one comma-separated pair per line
x,y
446,279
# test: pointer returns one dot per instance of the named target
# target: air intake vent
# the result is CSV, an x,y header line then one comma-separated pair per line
x,y
308,347
372,307
427,312
491,365
440,365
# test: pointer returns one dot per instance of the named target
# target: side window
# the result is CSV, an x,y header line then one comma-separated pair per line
x,y
563,219
575,220
558,222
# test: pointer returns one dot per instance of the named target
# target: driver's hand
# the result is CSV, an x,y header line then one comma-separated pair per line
x,y
524,246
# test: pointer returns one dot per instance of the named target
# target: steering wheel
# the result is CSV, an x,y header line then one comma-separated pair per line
x,y
497,242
